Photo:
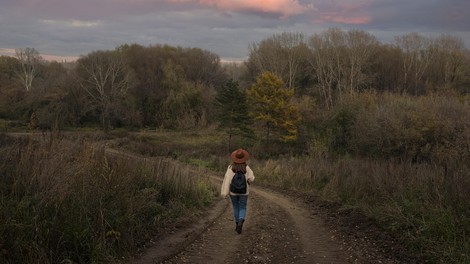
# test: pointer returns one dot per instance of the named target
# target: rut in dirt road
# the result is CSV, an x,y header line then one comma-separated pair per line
x,y
276,231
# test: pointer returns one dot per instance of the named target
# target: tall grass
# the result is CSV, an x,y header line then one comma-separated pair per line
x,y
63,201
427,208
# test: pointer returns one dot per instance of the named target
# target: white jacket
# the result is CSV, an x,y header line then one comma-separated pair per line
x,y
225,190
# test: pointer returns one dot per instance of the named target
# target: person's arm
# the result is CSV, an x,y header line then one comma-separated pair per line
x,y
225,189
250,176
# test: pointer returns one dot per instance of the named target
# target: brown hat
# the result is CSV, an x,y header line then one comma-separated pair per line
x,y
239,155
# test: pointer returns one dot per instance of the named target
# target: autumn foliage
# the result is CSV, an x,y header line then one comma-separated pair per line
x,y
271,104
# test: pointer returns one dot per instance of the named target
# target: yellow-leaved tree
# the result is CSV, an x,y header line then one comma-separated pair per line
x,y
271,103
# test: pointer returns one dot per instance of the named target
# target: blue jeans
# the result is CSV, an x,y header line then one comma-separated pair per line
x,y
239,206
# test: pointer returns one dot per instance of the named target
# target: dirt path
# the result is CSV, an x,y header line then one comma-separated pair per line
x,y
277,230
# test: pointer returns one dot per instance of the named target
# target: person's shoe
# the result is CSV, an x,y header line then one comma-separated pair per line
x,y
236,226
238,229
239,226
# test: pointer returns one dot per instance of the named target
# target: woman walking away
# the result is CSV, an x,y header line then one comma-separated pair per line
x,y
236,184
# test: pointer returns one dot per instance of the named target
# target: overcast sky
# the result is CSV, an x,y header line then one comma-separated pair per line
x,y
66,29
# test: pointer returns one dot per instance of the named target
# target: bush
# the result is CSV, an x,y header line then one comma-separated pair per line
x,y
418,129
337,125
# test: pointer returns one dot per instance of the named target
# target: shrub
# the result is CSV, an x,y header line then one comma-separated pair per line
x,y
336,126
419,129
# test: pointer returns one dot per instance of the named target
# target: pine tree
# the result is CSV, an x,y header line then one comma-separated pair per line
x,y
231,111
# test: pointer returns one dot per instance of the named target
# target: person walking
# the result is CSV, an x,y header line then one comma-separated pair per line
x,y
236,183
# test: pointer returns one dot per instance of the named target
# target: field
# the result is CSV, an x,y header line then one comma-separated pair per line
x,y
66,196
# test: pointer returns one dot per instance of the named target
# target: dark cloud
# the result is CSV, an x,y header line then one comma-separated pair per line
x,y
429,15
72,28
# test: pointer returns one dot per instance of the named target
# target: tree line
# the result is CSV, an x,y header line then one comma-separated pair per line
x,y
273,91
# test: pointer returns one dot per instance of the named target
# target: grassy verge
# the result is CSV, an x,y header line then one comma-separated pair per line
x,y
423,206
63,201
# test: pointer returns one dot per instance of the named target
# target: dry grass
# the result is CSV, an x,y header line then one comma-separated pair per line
x,y
67,201
423,204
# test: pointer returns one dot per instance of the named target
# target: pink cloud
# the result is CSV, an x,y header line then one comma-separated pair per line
x,y
346,12
285,8
352,20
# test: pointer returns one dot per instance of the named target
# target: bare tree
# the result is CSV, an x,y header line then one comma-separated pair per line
x,y
105,77
417,56
266,56
29,59
339,60
451,62
280,54
328,61
362,47
292,44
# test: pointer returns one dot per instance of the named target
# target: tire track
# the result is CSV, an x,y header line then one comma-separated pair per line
x,y
277,230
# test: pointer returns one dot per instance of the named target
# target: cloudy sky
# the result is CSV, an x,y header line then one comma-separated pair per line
x,y
66,29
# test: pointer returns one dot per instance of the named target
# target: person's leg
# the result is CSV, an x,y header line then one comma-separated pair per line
x,y
236,206
243,201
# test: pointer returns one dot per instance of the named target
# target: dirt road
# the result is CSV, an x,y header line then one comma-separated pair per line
x,y
278,229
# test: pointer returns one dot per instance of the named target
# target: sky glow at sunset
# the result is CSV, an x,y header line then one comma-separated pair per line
x,y
69,28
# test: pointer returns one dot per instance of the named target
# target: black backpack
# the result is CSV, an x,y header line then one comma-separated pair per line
x,y
238,184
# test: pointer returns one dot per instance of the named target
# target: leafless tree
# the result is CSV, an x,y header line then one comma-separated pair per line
x,y
29,59
417,56
361,47
339,60
294,46
327,61
280,54
451,62
266,56
105,77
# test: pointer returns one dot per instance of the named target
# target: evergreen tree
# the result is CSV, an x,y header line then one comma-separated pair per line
x,y
231,111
